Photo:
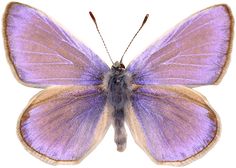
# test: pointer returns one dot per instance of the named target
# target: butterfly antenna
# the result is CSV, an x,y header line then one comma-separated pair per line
x,y
94,20
144,21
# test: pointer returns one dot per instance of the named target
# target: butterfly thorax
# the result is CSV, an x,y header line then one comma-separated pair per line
x,y
117,88
118,96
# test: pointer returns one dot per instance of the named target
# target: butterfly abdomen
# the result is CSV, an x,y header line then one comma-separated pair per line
x,y
120,132
118,96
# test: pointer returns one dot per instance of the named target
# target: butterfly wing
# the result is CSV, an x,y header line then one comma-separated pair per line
x,y
173,125
62,125
43,54
195,53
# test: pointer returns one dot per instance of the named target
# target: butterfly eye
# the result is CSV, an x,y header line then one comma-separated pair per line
x,y
122,66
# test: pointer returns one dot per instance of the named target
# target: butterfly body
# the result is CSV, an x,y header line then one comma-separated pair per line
x,y
170,121
118,94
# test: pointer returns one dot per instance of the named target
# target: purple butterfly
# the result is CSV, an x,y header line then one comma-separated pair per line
x,y
171,122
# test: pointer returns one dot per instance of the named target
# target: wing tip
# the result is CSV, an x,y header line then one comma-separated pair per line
x,y
230,41
8,53
10,5
6,43
6,40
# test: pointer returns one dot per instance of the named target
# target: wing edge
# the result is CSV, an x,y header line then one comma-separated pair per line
x,y
230,45
7,47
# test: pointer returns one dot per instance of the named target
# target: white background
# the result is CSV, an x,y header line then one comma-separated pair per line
x,y
118,21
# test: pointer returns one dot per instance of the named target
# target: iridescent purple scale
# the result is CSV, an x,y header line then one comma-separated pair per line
x,y
63,124
174,123
194,53
43,54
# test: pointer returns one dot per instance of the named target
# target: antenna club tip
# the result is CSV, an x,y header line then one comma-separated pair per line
x,y
145,19
92,16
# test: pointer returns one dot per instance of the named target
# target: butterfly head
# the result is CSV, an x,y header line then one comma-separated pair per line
x,y
118,66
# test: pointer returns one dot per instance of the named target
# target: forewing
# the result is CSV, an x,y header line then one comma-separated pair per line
x,y
62,124
172,124
195,53
43,54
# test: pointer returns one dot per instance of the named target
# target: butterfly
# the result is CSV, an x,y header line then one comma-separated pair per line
x,y
153,95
